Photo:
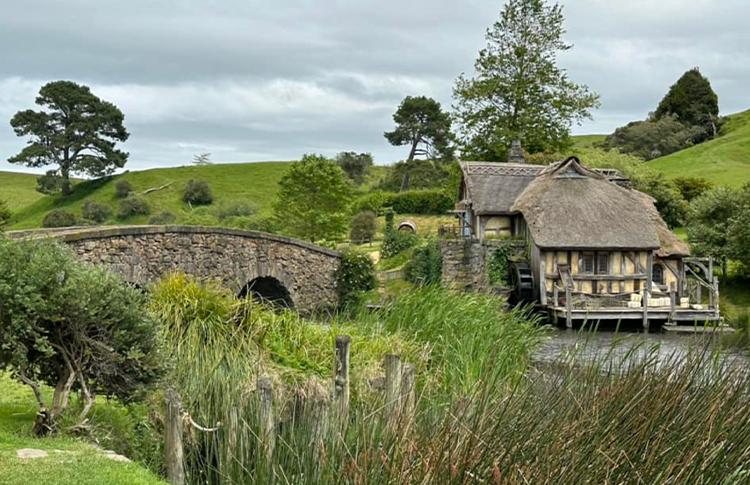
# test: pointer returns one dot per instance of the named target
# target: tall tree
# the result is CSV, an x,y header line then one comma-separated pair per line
x,y
692,100
422,124
518,91
313,199
75,130
355,165
709,223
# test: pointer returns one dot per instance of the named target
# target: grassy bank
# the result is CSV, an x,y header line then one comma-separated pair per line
x,y
18,189
69,461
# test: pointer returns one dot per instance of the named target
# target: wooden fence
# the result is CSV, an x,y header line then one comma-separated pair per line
x,y
399,409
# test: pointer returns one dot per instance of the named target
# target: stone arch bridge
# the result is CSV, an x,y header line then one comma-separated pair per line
x,y
287,271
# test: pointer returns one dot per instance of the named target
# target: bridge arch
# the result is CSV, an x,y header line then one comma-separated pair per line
x,y
143,254
268,289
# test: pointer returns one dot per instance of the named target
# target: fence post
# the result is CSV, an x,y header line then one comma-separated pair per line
x,y
409,392
392,364
341,377
672,300
568,308
267,420
173,440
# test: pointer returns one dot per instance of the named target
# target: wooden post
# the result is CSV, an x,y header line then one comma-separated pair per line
x,y
173,440
672,300
716,296
542,280
267,420
710,280
568,308
555,294
409,392
647,290
341,377
392,364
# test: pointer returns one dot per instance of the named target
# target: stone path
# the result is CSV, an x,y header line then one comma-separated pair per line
x,y
33,453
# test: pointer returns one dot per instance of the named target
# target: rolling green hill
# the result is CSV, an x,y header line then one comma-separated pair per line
x,y
251,183
724,160
18,189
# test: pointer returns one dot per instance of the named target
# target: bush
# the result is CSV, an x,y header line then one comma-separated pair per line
x,y
354,276
355,165
197,192
49,183
435,202
653,138
497,269
691,187
426,265
396,241
162,218
4,213
236,209
95,212
262,224
59,218
133,206
123,189
363,227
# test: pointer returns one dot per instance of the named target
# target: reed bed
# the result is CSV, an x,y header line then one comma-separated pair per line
x,y
641,418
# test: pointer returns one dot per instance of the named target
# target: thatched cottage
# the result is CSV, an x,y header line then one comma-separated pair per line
x,y
593,247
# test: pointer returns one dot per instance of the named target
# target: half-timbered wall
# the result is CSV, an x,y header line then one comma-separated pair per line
x,y
626,271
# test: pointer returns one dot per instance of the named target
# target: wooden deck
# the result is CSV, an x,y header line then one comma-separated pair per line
x,y
683,315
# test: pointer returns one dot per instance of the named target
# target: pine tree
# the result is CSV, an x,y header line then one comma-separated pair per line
x,y
693,102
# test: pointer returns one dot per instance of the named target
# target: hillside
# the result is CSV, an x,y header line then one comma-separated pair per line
x,y
252,183
724,160
18,189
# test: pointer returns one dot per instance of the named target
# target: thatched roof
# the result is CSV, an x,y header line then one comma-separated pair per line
x,y
493,187
569,206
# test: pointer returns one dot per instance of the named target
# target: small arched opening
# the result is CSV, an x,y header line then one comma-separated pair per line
x,y
268,289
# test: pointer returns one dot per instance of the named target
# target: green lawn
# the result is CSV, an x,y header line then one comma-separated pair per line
x,y
18,189
586,141
254,183
724,160
69,461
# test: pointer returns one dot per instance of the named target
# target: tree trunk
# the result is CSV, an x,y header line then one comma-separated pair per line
x,y
62,392
65,174
413,151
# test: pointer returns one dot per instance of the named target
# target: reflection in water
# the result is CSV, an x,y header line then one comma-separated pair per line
x,y
587,344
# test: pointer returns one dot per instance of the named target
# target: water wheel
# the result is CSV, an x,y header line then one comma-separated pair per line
x,y
522,281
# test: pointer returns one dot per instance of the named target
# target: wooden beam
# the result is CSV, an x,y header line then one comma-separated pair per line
x,y
603,277
647,292
568,308
542,279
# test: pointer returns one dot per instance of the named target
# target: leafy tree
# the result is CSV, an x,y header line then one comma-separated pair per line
x,y
709,221
73,327
363,227
75,130
518,91
49,183
422,124
691,187
5,213
313,199
692,100
418,174
354,276
355,165
652,138
669,202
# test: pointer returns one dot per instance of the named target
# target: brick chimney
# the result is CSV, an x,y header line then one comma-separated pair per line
x,y
515,154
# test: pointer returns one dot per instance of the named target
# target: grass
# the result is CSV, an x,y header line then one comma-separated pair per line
x,y
586,141
18,189
254,183
70,461
724,160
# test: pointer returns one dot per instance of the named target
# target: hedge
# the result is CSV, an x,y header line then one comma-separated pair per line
x,y
410,202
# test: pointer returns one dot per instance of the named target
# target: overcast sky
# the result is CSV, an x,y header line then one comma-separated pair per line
x,y
249,80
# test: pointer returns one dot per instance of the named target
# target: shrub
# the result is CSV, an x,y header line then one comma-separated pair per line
x,y
133,206
497,269
426,265
653,138
162,218
4,213
262,224
355,165
49,183
363,227
410,202
396,241
95,212
236,209
197,192
354,276
691,187
59,218
123,189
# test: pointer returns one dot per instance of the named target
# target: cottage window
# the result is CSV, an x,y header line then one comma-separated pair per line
x,y
602,263
594,263
657,271
587,263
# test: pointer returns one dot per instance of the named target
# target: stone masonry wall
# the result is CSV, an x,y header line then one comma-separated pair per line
x,y
465,262
143,254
